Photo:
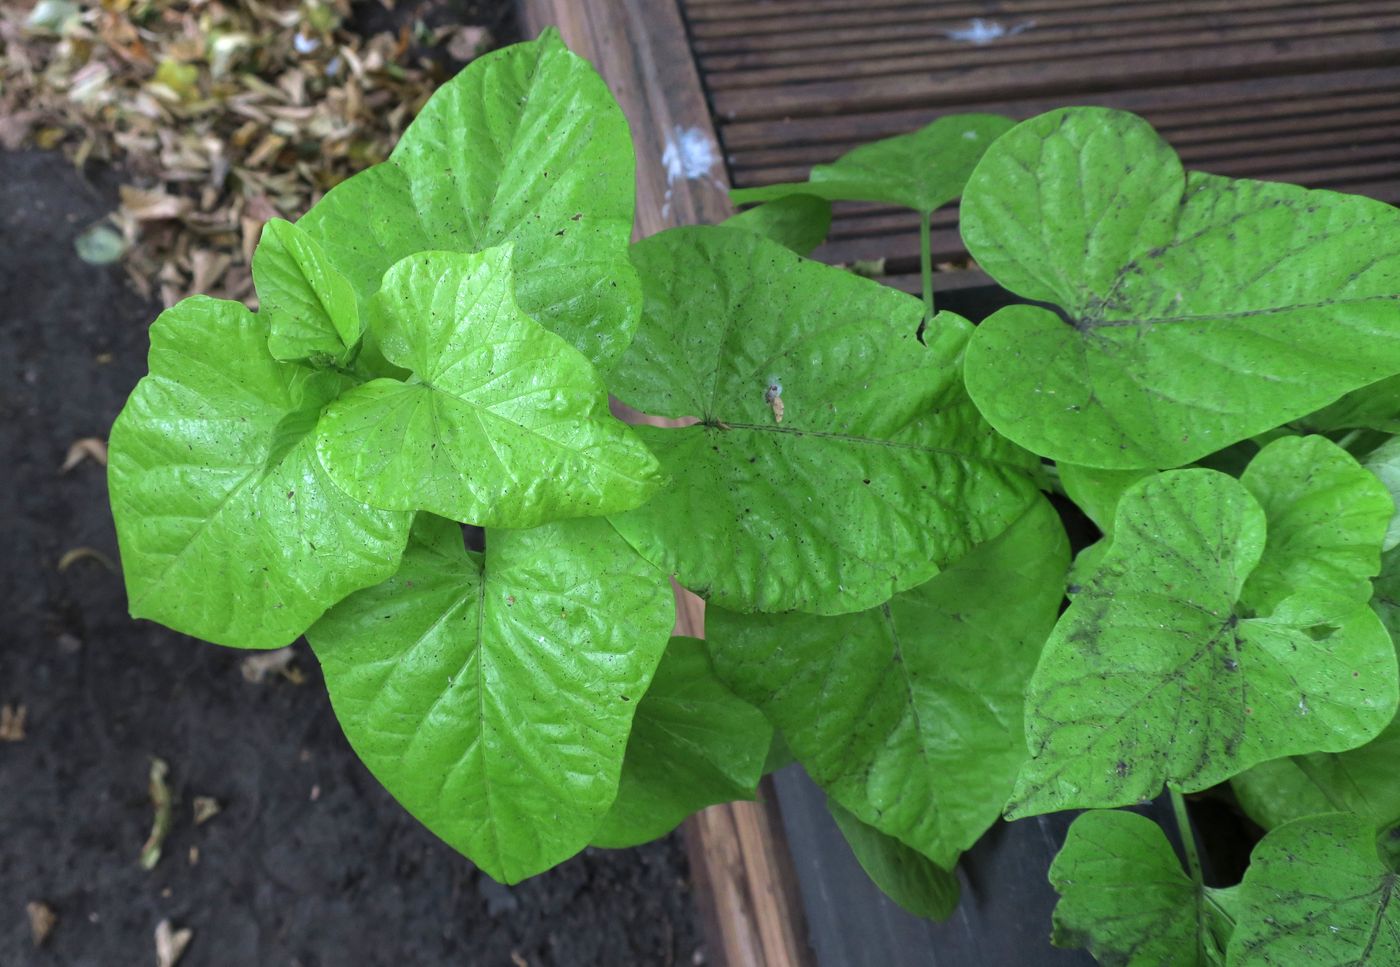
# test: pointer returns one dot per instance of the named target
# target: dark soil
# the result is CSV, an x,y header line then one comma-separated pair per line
x,y
310,862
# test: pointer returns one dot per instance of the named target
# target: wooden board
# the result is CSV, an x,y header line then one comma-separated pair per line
x,y
740,866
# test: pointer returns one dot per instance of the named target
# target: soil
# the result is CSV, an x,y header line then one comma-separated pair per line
x,y
310,862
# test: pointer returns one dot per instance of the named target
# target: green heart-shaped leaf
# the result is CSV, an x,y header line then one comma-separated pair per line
x,y
526,146
1317,892
923,170
229,528
798,222
1125,898
311,308
503,423
1196,651
1198,310
907,877
807,381
694,743
910,714
492,693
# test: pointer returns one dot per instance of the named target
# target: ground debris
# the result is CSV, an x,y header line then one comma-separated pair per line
x,y
12,719
205,809
171,943
222,113
75,555
160,825
257,666
88,448
42,920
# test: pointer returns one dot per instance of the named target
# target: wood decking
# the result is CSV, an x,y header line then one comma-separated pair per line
x,y
763,89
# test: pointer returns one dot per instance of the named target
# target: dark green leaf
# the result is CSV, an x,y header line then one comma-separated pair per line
x,y
910,714
923,170
1125,898
913,881
1317,893
694,743
1186,660
798,222
1200,310
735,325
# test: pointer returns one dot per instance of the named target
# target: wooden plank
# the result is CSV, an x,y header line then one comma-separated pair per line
x,y
740,868
640,49
946,55
1090,74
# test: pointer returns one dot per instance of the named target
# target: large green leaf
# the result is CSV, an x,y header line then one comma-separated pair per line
x,y
526,145
492,694
1125,898
229,529
1186,660
1384,462
503,423
311,308
732,320
1318,893
1199,310
907,877
1365,781
798,222
923,170
694,743
910,714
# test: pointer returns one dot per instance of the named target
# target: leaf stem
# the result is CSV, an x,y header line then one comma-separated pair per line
x,y
926,265
1193,863
1188,838
1348,439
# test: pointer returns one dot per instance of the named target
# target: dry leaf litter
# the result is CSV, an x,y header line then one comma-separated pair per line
x,y
220,115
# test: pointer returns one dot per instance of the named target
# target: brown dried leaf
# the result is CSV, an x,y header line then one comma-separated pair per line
x,y
171,943
12,719
42,920
149,205
88,448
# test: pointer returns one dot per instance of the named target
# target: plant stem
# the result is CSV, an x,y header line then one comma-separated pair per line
x,y
1188,839
926,263
1193,863
1349,438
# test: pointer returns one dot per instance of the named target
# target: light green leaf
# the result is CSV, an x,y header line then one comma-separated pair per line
x,y
1384,462
1097,491
1363,781
1317,893
923,170
910,714
798,222
493,694
1184,663
1200,310
503,424
1125,898
1327,518
1373,407
229,528
694,743
733,321
527,146
913,881
311,308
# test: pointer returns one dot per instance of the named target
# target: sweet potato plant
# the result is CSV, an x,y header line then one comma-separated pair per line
x,y
1209,368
